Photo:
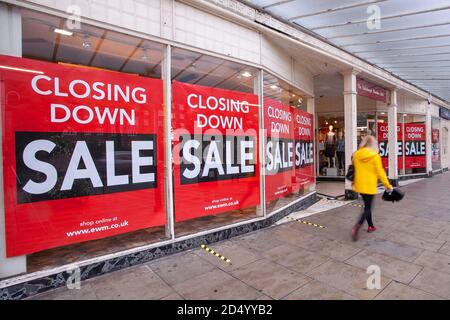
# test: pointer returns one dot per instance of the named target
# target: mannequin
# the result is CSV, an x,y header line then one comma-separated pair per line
x,y
340,152
330,143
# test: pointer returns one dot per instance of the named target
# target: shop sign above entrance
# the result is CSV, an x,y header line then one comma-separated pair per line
x,y
367,89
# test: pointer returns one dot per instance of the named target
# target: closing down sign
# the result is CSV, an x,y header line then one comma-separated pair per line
x,y
82,150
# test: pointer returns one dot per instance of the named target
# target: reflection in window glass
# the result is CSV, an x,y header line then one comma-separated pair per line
x,y
200,69
88,46
215,121
289,145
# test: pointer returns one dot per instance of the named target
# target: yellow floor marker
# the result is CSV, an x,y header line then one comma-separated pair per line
x,y
221,257
307,223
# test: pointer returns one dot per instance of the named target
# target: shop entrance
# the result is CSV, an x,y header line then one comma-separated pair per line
x,y
330,135
331,132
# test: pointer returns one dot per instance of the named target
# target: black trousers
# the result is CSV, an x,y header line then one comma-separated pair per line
x,y
341,159
367,214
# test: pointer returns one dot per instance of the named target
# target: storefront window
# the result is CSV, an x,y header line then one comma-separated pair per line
x,y
445,141
331,146
90,171
435,144
289,145
215,122
411,144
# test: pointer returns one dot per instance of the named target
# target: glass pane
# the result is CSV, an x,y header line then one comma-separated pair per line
x,y
216,132
89,46
413,147
435,143
331,137
289,150
109,93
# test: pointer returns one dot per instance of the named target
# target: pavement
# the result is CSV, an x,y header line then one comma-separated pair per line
x,y
294,260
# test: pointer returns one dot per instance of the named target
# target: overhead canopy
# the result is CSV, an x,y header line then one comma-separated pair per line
x,y
411,39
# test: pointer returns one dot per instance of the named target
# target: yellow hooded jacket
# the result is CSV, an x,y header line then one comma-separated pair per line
x,y
368,170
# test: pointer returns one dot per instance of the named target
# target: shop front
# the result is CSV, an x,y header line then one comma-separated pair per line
x,y
118,148
161,126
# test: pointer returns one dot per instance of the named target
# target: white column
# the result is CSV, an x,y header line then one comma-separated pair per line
x,y
168,138
259,90
392,138
350,114
10,44
428,137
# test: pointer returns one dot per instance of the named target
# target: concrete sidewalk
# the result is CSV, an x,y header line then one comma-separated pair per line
x,y
299,261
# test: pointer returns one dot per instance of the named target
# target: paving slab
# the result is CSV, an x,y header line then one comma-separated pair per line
x,y
350,279
181,267
295,258
445,249
399,291
289,234
270,278
434,260
215,285
434,282
261,240
393,268
316,290
390,248
131,284
415,240
331,248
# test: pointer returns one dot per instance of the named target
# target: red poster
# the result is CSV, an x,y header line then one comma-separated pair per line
x,y
383,138
415,141
414,148
280,149
82,154
304,149
215,150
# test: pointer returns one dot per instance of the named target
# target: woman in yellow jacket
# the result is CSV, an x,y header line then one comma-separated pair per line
x,y
368,170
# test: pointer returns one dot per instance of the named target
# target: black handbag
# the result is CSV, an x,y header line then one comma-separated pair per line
x,y
350,173
395,195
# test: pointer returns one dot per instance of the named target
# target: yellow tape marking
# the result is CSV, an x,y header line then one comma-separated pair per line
x,y
307,223
221,257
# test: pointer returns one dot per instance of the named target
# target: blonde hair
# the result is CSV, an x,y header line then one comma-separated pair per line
x,y
369,142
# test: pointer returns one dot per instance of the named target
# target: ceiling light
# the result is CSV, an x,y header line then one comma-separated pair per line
x,y
246,74
63,32
335,121
144,54
86,42
293,95
274,87
382,113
